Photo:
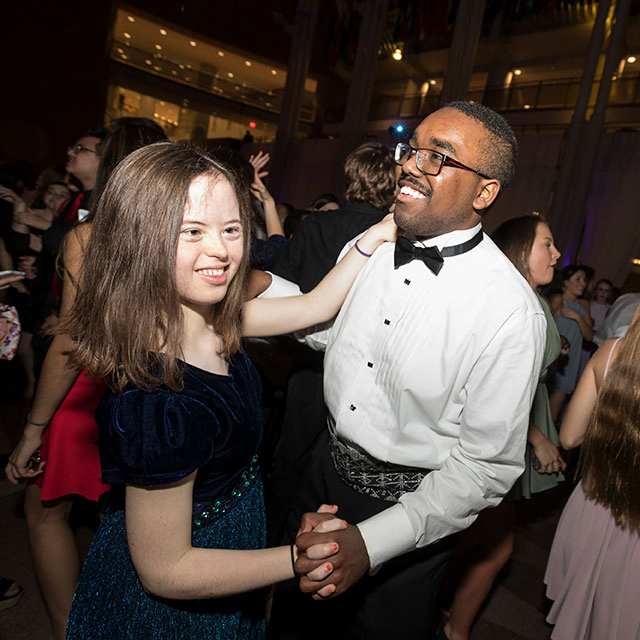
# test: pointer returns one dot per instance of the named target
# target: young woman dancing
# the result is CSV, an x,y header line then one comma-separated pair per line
x,y
593,574
61,423
159,312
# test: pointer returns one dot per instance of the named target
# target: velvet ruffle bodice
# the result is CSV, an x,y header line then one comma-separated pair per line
x,y
159,437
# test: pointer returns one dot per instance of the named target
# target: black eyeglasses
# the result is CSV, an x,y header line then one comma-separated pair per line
x,y
77,148
428,161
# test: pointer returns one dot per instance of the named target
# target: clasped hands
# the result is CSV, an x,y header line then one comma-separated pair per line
x,y
331,554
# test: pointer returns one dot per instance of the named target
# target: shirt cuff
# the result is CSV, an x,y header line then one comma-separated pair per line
x,y
280,288
386,535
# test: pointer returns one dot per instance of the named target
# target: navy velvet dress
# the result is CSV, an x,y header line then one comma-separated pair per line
x,y
155,438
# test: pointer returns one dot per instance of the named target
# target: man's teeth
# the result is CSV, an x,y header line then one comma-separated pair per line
x,y
408,191
211,272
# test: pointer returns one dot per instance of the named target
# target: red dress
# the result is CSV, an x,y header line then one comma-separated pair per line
x,y
69,445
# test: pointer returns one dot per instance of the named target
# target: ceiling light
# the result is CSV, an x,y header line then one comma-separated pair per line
x,y
432,82
188,66
157,68
527,106
119,50
230,74
397,54
124,56
131,19
636,261
247,63
161,103
188,78
126,35
163,32
156,115
517,72
631,59
158,47
267,104
193,43
221,54
273,72
182,66
174,72
148,61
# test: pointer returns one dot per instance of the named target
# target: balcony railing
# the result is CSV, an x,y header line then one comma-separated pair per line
x,y
183,73
549,94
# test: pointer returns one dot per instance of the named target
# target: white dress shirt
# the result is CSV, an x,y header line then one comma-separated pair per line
x,y
436,372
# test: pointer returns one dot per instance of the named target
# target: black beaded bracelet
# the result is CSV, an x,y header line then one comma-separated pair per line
x,y
36,424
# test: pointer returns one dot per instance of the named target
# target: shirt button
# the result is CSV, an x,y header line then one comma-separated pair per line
x,y
387,321
407,281
352,407
370,365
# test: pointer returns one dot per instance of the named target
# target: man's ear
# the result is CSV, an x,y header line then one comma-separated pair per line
x,y
488,192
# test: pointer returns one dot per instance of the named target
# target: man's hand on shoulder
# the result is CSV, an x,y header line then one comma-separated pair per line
x,y
350,562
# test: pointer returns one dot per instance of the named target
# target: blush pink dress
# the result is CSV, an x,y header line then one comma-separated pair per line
x,y
593,574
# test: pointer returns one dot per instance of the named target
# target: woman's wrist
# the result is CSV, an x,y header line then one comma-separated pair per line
x,y
37,423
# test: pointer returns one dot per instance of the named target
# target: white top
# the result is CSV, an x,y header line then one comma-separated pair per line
x,y
439,373
619,318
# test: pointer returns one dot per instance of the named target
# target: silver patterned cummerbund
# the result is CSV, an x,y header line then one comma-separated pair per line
x,y
369,476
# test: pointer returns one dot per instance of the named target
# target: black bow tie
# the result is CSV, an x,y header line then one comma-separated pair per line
x,y
406,251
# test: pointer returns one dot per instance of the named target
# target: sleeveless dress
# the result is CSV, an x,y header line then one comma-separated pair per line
x,y
158,437
69,445
566,378
593,574
531,481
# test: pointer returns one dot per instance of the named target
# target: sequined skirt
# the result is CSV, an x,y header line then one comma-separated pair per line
x,y
110,601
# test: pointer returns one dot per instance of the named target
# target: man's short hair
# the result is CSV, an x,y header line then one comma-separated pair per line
x,y
370,175
499,152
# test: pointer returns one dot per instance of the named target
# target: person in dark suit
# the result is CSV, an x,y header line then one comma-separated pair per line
x,y
312,252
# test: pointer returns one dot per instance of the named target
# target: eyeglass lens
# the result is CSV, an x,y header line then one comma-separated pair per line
x,y
429,162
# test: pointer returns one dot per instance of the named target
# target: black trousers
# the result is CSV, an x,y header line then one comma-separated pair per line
x,y
397,602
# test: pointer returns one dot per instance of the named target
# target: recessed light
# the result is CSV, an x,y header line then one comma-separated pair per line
x,y
527,106
193,43
397,54
174,72
126,35
156,115
188,78
517,72
163,32
248,63
131,19
148,61
158,47
230,74
221,54
188,66
124,56
119,50
161,103
273,72
631,59
432,82
182,66
157,68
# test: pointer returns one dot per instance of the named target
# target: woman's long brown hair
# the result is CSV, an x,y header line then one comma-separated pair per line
x,y
127,306
610,455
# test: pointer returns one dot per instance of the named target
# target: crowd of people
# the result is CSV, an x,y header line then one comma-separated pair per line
x,y
430,377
